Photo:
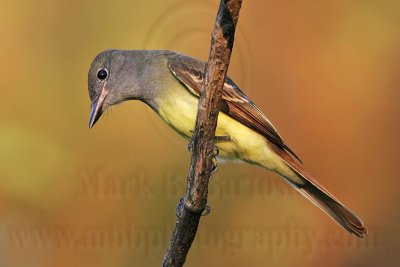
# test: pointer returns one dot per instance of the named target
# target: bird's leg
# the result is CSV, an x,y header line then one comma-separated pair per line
x,y
217,139
222,138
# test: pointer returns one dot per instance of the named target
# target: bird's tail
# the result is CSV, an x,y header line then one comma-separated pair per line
x,y
323,199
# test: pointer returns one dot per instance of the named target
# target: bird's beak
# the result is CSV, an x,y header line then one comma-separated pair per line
x,y
97,107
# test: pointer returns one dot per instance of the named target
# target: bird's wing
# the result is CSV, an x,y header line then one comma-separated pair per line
x,y
234,102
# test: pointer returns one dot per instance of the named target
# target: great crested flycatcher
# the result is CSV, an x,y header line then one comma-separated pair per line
x,y
170,84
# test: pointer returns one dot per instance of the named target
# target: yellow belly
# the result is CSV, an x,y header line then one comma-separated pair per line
x,y
179,109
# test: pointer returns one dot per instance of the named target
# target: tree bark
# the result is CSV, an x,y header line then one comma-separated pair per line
x,y
203,162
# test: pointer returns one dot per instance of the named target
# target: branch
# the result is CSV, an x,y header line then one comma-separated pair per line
x,y
203,162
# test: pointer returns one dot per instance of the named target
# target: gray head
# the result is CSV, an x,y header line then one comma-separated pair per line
x,y
112,79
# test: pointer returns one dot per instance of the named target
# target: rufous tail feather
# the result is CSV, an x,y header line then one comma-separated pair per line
x,y
324,200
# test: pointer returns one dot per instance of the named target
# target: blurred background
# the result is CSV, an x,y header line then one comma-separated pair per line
x,y
325,72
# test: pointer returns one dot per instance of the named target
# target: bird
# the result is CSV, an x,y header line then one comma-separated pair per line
x,y
170,83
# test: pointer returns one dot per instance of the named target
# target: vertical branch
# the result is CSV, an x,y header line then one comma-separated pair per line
x,y
203,163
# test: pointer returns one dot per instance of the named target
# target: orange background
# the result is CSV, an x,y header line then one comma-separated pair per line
x,y
325,72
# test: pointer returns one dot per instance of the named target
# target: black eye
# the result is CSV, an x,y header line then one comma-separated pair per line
x,y
102,74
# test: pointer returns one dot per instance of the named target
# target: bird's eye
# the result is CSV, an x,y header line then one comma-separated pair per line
x,y
102,74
